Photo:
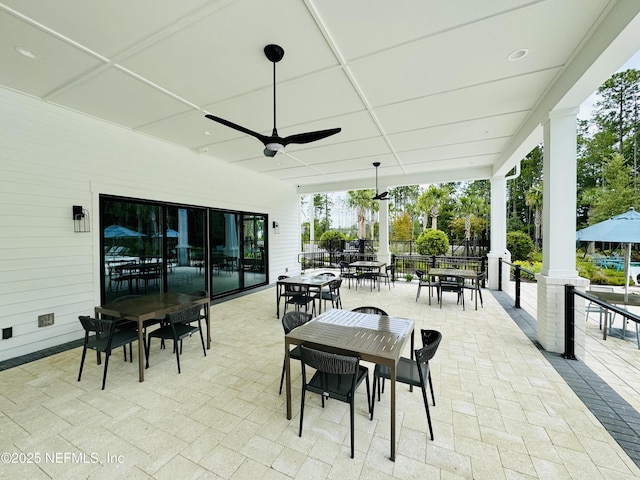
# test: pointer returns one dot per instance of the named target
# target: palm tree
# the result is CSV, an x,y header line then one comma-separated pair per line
x,y
533,199
468,207
362,201
430,203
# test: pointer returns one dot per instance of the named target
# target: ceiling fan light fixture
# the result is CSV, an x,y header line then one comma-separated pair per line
x,y
276,147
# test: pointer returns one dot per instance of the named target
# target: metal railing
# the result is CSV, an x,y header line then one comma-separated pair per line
x,y
570,292
517,275
408,264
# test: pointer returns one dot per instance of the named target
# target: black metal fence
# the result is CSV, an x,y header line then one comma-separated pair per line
x,y
517,272
406,265
570,292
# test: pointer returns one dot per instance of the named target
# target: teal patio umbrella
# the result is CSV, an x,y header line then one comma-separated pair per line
x,y
118,231
623,228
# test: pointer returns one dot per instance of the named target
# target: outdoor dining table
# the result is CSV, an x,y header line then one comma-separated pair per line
x,y
317,282
472,275
368,266
614,298
149,307
377,339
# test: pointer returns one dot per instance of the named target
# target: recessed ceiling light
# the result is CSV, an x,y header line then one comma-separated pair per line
x,y
208,132
25,52
518,55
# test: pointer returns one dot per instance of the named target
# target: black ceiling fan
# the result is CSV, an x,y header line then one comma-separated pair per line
x,y
383,195
274,143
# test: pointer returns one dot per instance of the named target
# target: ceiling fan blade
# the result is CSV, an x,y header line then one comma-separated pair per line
x,y
263,138
269,153
381,196
310,136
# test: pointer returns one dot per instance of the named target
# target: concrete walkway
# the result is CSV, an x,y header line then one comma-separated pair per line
x,y
503,409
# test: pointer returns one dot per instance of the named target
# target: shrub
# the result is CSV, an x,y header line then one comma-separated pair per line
x,y
432,242
520,245
331,239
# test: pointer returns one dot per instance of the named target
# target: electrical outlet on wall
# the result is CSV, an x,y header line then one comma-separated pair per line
x,y
45,320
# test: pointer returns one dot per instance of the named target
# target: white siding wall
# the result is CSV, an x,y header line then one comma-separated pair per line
x,y
52,159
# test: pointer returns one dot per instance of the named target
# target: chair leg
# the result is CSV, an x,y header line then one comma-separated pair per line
x,y
418,294
433,397
84,353
369,396
352,412
281,379
175,347
204,349
301,411
106,365
146,352
426,407
373,397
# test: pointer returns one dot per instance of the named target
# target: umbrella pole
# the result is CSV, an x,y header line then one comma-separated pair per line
x,y
627,264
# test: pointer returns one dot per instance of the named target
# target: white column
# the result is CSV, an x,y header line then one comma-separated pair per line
x,y
498,235
383,221
559,240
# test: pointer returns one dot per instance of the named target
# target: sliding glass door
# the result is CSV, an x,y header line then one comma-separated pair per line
x,y
225,252
254,259
185,243
150,247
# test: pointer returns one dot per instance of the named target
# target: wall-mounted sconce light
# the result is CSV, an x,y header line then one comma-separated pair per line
x,y
80,219
276,227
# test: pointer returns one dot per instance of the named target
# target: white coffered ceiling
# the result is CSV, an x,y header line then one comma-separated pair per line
x,y
423,86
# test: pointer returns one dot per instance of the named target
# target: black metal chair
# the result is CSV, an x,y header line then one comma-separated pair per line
x,y
337,376
176,327
332,294
424,280
594,307
373,310
203,315
475,285
413,372
133,325
291,320
451,284
373,275
388,274
102,335
299,296
349,273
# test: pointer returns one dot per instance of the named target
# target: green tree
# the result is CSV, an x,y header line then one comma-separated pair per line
x,y
362,201
432,242
322,210
533,199
331,240
616,109
519,244
430,203
401,228
617,193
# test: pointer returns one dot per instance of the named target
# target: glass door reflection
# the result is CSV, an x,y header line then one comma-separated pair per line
x,y
253,254
225,252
